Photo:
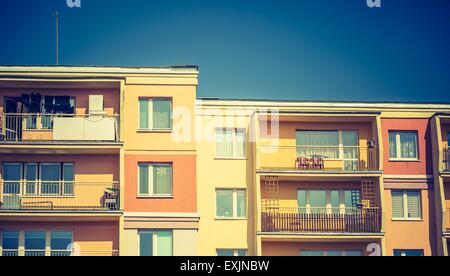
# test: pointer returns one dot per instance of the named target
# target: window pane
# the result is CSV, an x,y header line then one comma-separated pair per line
x,y
162,118
61,240
162,179
310,253
324,144
318,201
335,202
224,200
408,253
353,253
352,198
240,139
10,240
241,204
50,177
301,199
408,142
34,243
69,178
398,209
414,208
334,253
242,253
143,180
31,177
165,243
224,143
392,144
146,244
225,253
11,178
143,114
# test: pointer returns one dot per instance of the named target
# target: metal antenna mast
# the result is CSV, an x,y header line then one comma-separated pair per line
x,y
56,15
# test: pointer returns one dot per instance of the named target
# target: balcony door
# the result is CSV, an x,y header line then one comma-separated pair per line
x,y
13,121
12,175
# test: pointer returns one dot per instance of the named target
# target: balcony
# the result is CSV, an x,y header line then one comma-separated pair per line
x,y
446,161
58,128
59,253
59,196
319,159
299,221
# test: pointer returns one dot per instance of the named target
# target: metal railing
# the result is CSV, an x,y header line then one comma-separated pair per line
x,y
59,253
311,158
446,156
59,195
41,127
357,221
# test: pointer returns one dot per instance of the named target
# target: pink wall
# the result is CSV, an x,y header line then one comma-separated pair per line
x,y
425,164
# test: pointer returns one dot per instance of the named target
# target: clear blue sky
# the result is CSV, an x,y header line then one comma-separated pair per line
x,y
271,49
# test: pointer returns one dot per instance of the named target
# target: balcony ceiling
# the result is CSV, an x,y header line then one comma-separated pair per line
x,y
61,84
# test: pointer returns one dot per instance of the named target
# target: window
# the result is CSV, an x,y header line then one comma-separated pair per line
x,y
155,114
403,145
155,180
328,202
10,243
156,243
408,253
230,143
231,252
335,253
406,205
60,243
231,204
35,243
54,178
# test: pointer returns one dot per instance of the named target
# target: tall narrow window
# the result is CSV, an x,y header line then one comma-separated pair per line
x,y
68,178
230,143
155,180
31,177
155,114
50,178
403,145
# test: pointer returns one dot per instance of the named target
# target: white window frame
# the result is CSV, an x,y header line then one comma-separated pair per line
x,y
235,251
329,207
398,150
235,204
406,207
155,240
151,112
151,193
234,143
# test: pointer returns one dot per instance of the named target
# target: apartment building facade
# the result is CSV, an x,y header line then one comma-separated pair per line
x,y
107,161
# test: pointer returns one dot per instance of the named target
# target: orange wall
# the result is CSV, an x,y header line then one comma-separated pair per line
x,y
425,164
294,248
184,185
92,236
110,97
412,234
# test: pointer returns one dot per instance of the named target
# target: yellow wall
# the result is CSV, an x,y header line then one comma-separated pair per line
x,y
217,173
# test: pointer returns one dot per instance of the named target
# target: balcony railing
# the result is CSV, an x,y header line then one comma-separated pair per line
x,y
319,158
58,253
59,196
355,221
58,127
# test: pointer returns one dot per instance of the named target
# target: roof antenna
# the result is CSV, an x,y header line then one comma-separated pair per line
x,y
56,15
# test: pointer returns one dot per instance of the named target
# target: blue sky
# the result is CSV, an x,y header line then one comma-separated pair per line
x,y
264,49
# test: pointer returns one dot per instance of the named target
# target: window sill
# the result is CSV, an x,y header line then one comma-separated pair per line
x,y
407,220
156,197
403,160
230,219
155,130
230,158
